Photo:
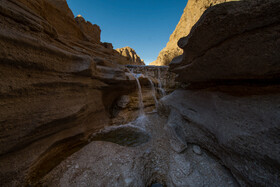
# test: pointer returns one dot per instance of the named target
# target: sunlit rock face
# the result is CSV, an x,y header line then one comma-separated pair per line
x,y
59,84
131,56
230,102
192,13
92,32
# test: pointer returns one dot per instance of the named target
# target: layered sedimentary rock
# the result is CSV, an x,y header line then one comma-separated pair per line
x,y
59,84
192,13
230,105
131,55
159,75
92,32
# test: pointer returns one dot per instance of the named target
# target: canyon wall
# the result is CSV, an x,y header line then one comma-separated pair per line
x,y
59,84
230,71
131,55
191,14
68,102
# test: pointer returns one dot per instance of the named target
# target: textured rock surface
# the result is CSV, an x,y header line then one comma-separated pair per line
x,y
192,13
232,41
231,108
92,32
159,75
66,102
241,130
131,55
59,85
148,163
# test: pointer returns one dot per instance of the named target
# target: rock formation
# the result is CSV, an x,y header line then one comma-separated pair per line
x,y
92,32
160,76
130,55
192,13
146,153
59,84
73,115
230,104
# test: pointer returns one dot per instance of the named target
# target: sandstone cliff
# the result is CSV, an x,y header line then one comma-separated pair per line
x,y
131,55
59,84
230,71
68,106
192,13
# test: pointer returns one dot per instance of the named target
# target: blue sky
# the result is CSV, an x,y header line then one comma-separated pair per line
x,y
144,25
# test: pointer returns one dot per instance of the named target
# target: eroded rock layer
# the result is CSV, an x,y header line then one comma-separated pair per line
x,y
192,13
159,75
59,84
230,105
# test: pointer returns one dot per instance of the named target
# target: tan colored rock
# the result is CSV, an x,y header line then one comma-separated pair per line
x,y
59,84
92,32
192,13
131,55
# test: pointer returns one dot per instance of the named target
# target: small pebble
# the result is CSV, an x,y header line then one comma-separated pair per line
x,y
197,150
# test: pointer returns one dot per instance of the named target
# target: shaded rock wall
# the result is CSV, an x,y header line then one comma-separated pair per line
x,y
242,45
191,14
230,104
59,84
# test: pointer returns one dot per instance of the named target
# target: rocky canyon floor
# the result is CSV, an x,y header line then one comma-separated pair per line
x,y
149,153
76,112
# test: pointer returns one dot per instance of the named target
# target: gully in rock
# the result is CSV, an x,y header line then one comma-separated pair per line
x,y
72,115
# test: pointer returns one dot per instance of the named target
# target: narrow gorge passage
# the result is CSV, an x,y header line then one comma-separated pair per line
x,y
143,152
77,111
162,159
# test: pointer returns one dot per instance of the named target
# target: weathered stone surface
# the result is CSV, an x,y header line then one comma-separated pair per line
x,y
197,150
59,85
231,108
232,41
108,45
131,55
92,32
163,79
65,99
239,125
192,13
105,164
